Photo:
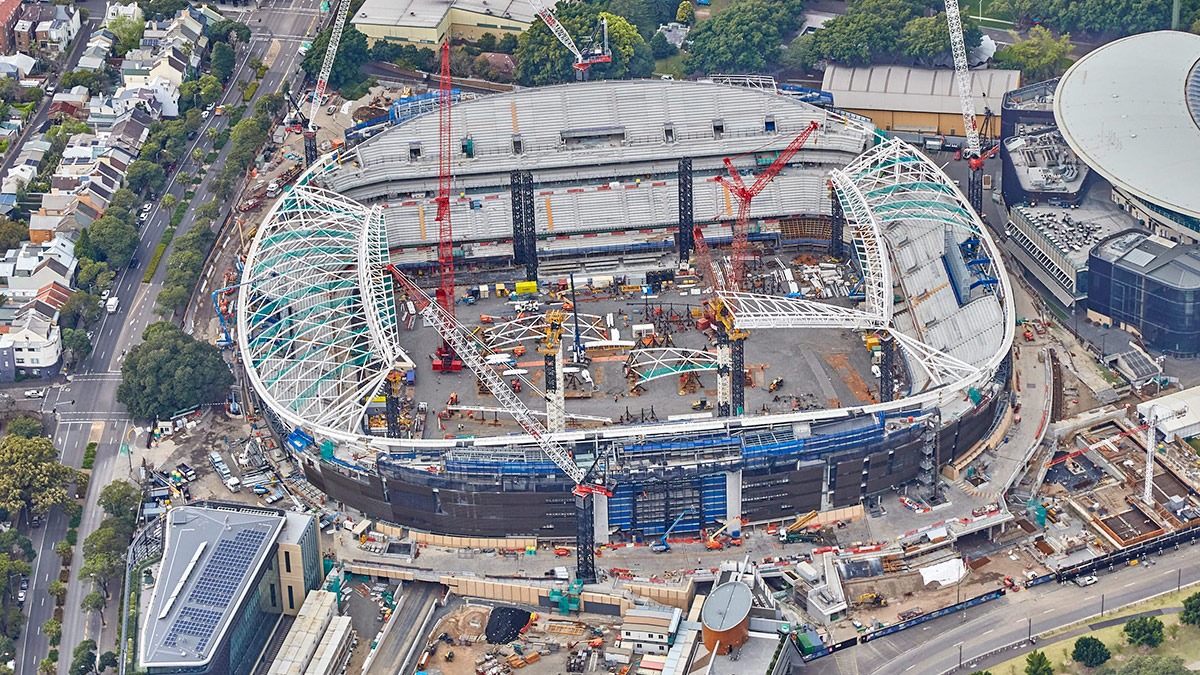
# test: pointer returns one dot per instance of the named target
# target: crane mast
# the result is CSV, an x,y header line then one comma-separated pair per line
x,y
459,339
335,38
744,195
597,53
962,77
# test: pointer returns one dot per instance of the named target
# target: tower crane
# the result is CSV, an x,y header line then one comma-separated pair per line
x,y
597,51
962,77
551,349
447,361
459,340
335,38
744,194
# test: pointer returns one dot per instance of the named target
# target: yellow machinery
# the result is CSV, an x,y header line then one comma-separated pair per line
x,y
551,347
801,521
872,599
713,542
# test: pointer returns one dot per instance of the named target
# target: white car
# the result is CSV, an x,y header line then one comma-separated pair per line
x,y
146,207
34,393
104,296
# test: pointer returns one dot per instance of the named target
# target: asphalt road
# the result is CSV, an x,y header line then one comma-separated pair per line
x,y
86,408
932,647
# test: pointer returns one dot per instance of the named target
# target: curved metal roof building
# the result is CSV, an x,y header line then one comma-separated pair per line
x,y
1131,111
317,317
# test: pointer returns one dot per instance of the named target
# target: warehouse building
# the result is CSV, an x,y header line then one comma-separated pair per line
x,y
429,23
917,100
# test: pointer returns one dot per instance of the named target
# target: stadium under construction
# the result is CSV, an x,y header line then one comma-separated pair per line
x,y
860,342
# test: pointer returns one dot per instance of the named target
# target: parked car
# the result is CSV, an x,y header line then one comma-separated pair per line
x,y
34,393
1086,580
133,263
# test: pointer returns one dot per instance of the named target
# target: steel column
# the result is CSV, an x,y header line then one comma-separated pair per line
x,y
685,208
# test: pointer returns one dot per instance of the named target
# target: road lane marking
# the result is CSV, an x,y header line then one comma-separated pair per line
x,y
1049,610
1129,584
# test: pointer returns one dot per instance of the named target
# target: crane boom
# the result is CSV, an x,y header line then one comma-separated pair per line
x,y
458,339
737,187
559,30
331,49
962,77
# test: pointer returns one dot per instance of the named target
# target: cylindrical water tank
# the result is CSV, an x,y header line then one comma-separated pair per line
x,y
726,616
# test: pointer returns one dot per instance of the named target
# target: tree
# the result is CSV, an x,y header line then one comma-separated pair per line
x,y
229,31
142,174
80,306
352,53
12,234
124,199
64,550
661,48
33,477
168,372
270,105
93,80
57,590
95,276
247,137
507,44
1144,631
743,37
1090,652
638,13
34,94
77,343
83,658
102,568
686,13
1191,610
94,602
115,241
210,89
120,499
1153,664
486,43
107,660
168,201
52,628
209,210
1036,663
25,427
128,32
221,61
221,187
1039,57
927,37
982,672
47,667
542,60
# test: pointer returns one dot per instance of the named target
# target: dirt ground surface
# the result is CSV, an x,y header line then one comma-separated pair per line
x,y
465,626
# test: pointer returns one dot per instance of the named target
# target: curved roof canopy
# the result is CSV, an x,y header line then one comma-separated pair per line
x,y
1131,111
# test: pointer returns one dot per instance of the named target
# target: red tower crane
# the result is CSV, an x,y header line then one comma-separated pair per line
x,y
447,360
744,194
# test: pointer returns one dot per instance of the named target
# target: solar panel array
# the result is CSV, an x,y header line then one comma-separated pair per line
x,y
196,623
223,572
219,581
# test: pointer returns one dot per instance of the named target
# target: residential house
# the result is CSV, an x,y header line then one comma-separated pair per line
x,y
53,217
115,9
18,176
36,339
46,28
105,111
8,202
87,208
97,50
8,370
10,13
78,160
72,103
16,66
26,270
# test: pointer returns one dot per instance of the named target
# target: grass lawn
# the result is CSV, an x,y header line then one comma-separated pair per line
x,y
1185,643
984,8
671,66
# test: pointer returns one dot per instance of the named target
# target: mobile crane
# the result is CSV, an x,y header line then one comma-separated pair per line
x,y
661,546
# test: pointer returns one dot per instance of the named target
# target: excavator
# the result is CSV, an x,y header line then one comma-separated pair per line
x,y
716,542
661,546
872,599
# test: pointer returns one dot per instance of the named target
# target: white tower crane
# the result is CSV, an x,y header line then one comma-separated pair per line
x,y
962,77
461,341
597,53
335,38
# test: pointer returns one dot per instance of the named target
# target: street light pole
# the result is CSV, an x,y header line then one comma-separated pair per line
x,y
1101,604
1029,627
960,654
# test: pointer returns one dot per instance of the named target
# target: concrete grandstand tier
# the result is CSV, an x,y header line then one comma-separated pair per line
x,y
317,315
1131,110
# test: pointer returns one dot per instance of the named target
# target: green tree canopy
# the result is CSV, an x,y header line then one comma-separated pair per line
x,y
107,660
1036,663
352,54
542,60
128,32
1153,664
661,48
925,38
92,79
81,306
120,499
25,427
1191,610
1090,652
76,343
221,61
228,30
12,233
170,371
1144,631
57,590
1039,57
124,199
686,13
743,37
142,174
33,476
114,240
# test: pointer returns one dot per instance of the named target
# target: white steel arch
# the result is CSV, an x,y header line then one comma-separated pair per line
x,y
317,324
